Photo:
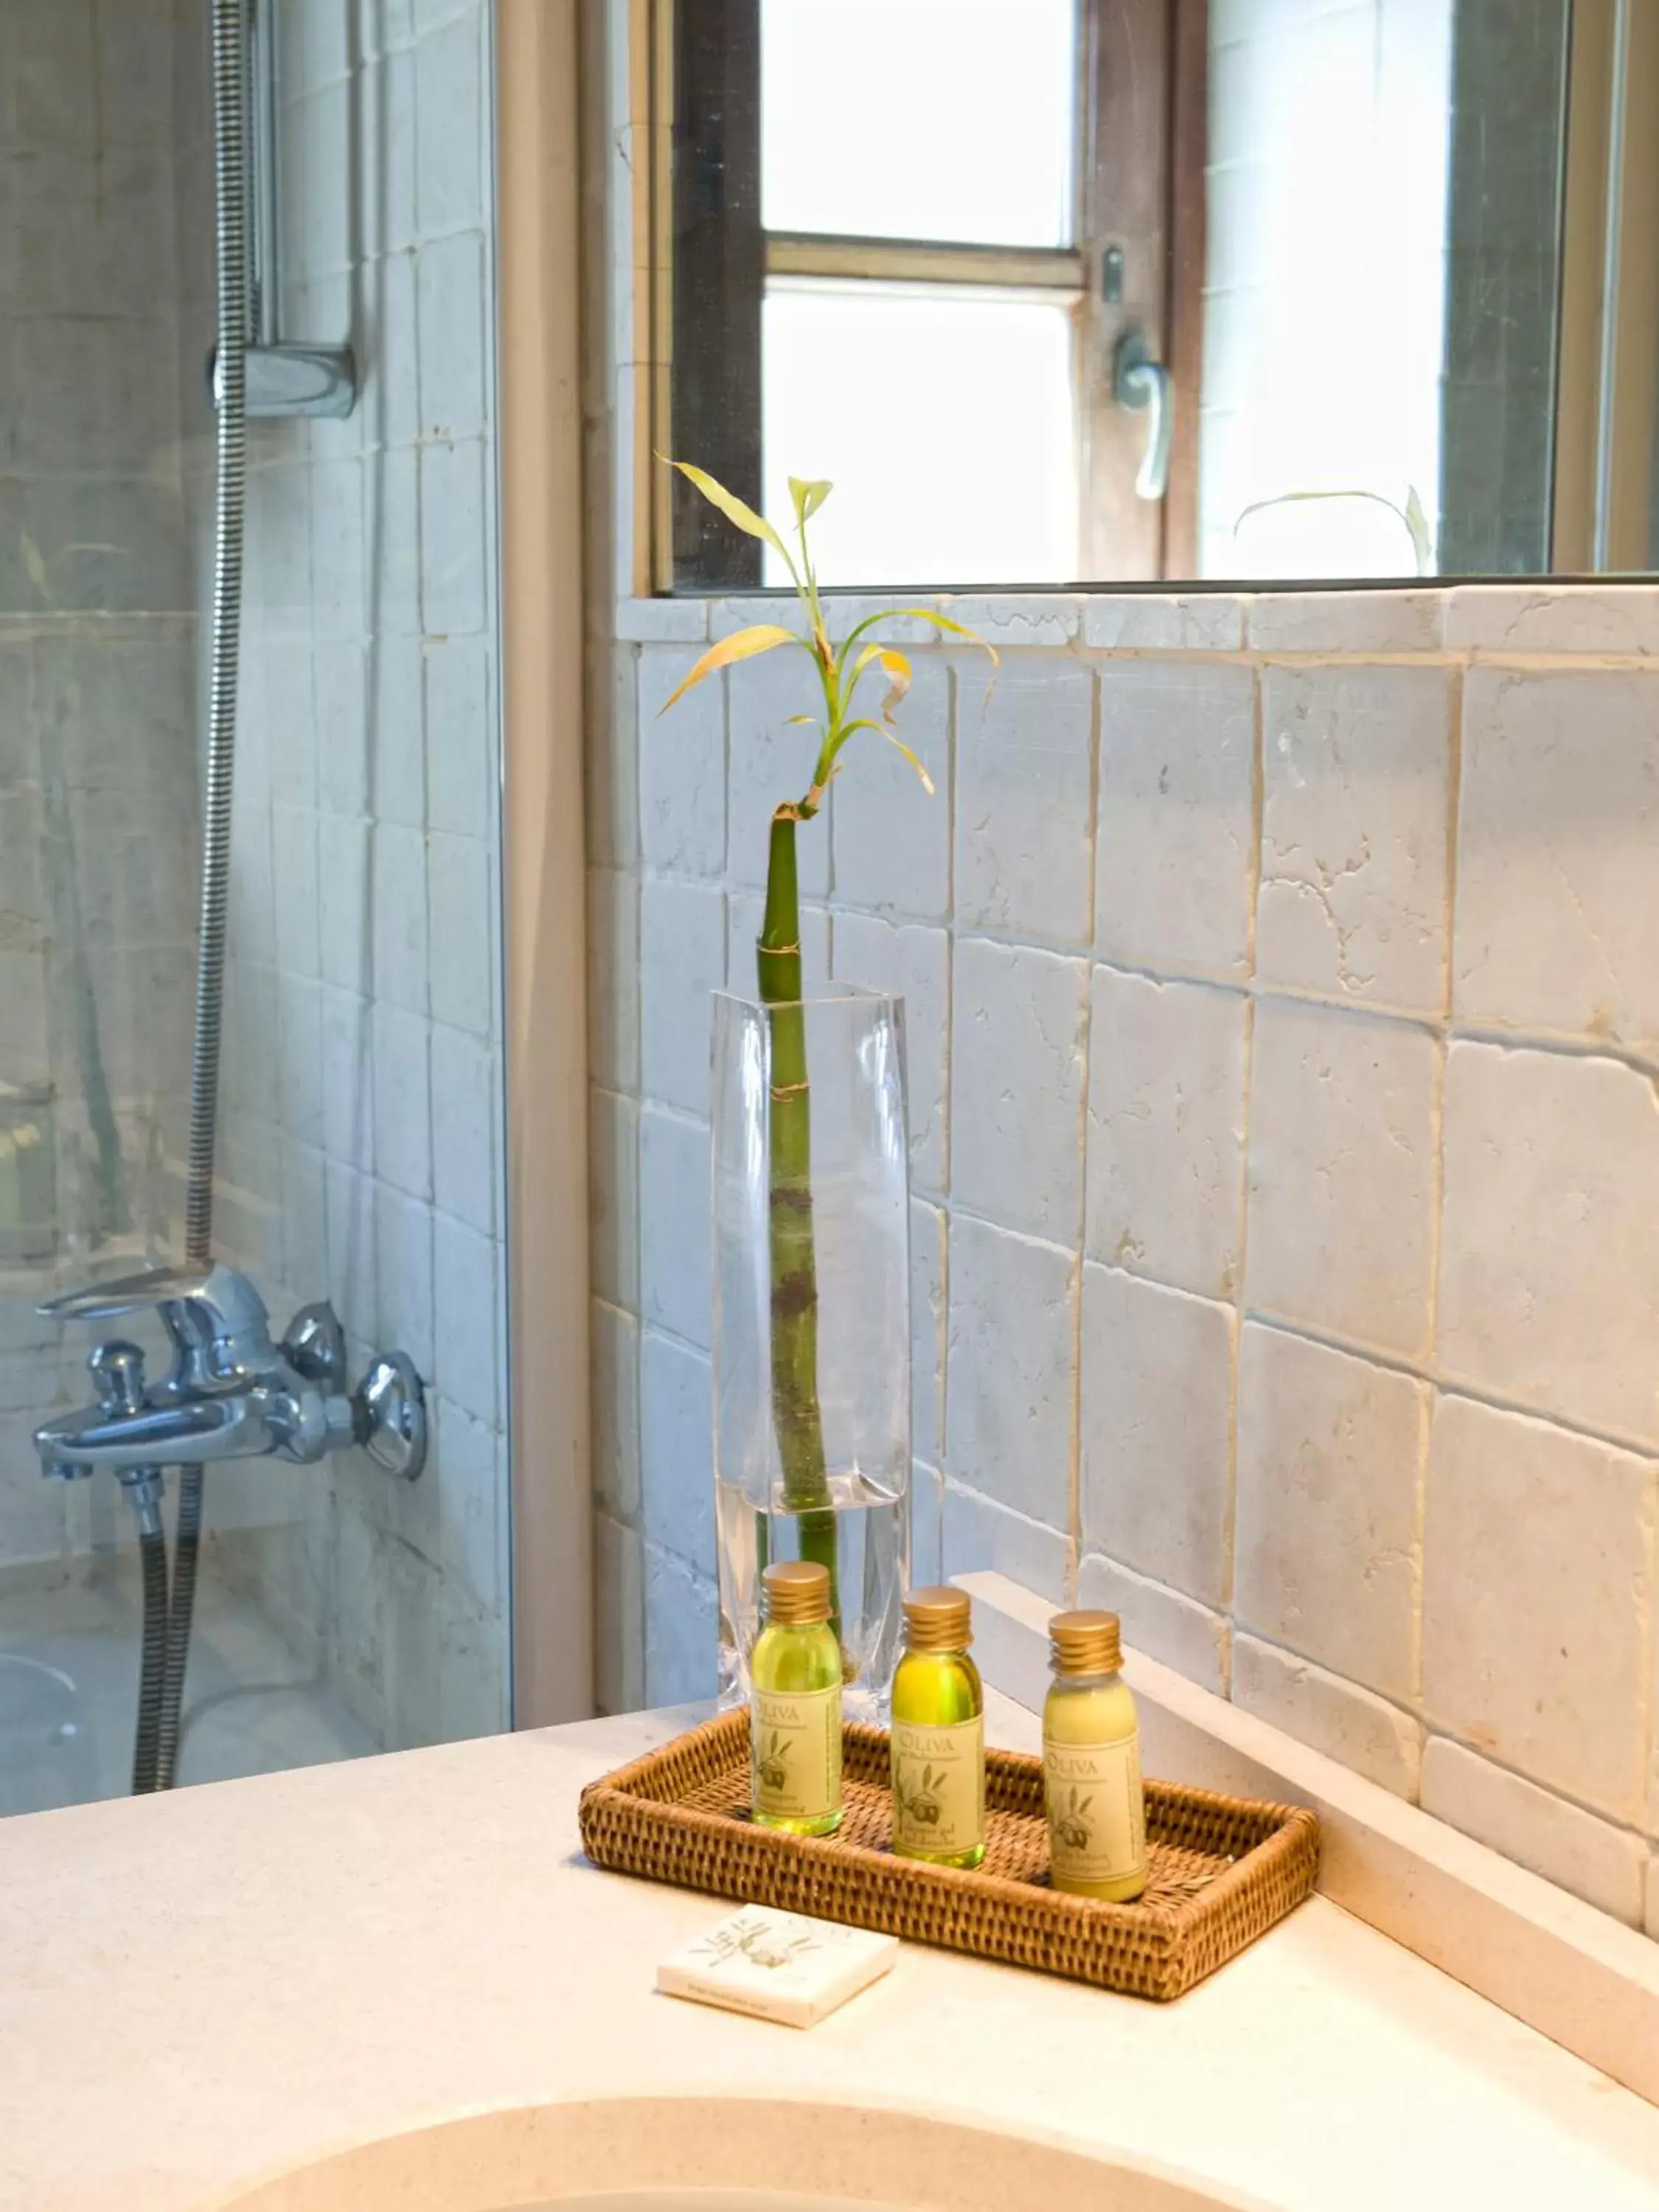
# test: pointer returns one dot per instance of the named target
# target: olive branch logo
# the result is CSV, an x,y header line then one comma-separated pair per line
x,y
751,1940
921,1802
1072,1824
771,1763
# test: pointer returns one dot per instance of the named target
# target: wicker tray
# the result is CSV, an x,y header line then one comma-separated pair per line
x,y
1223,1870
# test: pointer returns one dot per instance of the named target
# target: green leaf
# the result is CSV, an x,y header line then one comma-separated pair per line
x,y
742,645
809,494
926,615
733,508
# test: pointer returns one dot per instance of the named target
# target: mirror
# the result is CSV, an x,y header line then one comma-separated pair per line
x,y
1063,291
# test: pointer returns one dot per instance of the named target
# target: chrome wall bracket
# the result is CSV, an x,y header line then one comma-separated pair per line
x,y
284,376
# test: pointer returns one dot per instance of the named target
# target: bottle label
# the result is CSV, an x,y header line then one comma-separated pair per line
x,y
1097,1816
938,1786
795,1738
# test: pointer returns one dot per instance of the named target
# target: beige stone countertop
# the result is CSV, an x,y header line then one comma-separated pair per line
x,y
201,1990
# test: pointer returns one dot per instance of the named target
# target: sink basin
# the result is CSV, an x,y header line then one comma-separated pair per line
x,y
722,2154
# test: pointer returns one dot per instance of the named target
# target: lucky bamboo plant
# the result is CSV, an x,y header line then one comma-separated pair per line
x,y
840,669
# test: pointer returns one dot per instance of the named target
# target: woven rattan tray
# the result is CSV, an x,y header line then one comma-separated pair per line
x,y
1223,1870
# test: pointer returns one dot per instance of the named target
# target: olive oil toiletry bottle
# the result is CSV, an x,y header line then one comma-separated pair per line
x,y
794,1719
1092,1763
938,1734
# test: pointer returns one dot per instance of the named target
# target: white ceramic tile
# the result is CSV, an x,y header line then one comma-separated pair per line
x,y
467,1110
926,1526
1017,1023
1346,622
1155,1438
619,1617
1355,767
1161,1622
1600,618
674,1229
615,1338
467,1271
1008,1392
1342,1173
892,839
611,766
1155,622
978,1534
450,123
682,765
1549,1275
342,711
683,961
1330,1454
403,1318
663,622
399,915
928,1329
614,977
613,1184
770,764
1557,898
1022,828
470,1504
676,1468
681,1631
1005,619
390,398
338,557
1349,1724
1165,1171
1174,866
1537,1591
397,732
348,1034
449,290
463,923
344,901
1603,1865
454,537
393,484
300,1059
913,962
294,882
462,795
403,1117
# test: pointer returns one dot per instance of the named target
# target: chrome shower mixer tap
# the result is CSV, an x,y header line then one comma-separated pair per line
x,y
230,1392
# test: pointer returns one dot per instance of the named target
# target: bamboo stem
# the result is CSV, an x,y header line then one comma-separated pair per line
x,y
797,1416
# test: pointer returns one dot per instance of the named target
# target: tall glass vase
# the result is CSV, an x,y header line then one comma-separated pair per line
x,y
811,1313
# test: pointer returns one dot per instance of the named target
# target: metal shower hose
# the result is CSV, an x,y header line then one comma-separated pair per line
x,y
167,1650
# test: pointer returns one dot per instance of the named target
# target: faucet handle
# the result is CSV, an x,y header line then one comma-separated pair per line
x,y
118,1368
128,1294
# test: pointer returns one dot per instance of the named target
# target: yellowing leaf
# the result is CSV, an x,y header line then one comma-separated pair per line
x,y
809,494
742,645
896,665
733,508
898,745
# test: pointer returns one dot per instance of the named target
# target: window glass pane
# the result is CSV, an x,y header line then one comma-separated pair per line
x,y
944,420
919,118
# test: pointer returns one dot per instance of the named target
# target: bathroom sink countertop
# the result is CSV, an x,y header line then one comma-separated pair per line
x,y
201,1990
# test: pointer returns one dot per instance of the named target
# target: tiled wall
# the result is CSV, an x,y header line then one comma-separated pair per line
x,y
1284,1038
97,791
361,1154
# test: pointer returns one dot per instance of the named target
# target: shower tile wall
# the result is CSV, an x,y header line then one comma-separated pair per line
x,y
361,1147
98,786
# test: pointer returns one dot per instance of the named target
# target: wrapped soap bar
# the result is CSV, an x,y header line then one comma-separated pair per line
x,y
778,1965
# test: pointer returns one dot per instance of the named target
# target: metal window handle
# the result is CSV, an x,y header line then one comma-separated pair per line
x,y
1140,382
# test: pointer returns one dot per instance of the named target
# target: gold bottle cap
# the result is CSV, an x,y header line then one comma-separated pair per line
x,y
1086,1643
937,1620
797,1593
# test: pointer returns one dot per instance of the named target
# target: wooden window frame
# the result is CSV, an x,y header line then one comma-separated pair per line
x,y
1141,134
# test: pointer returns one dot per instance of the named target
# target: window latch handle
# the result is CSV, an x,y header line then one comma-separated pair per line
x,y
1139,383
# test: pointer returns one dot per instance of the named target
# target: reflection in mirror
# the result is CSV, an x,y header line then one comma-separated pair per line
x,y
1123,290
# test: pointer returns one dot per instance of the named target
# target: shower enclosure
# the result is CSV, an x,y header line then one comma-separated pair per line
x,y
339,1608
